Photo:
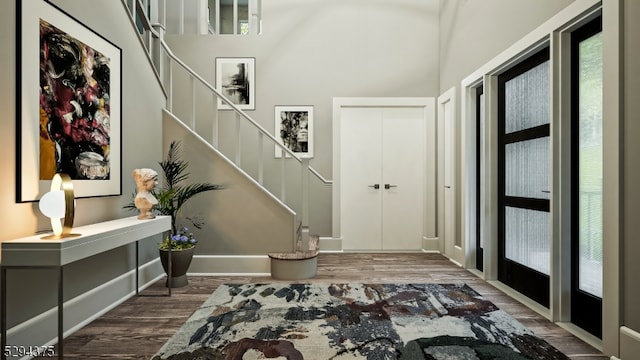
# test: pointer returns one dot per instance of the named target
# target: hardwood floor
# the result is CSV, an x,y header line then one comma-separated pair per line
x,y
138,328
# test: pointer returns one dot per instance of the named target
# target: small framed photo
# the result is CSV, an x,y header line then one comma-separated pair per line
x,y
235,78
294,130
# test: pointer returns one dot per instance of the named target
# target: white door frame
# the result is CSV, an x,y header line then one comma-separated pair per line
x,y
429,240
451,244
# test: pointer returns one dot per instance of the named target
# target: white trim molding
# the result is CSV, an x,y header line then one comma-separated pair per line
x,y
85,308
230,265
555,34
428,103
629,343
447,102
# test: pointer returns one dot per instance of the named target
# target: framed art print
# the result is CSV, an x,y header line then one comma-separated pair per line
x,y
294,130
69,111
235,78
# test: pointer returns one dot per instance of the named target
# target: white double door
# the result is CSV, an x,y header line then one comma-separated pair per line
x,y
382,170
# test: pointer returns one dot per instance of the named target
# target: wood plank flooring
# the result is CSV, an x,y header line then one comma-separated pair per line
x,y
138,328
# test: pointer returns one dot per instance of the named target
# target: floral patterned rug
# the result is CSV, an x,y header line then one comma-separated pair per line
x,y
348,321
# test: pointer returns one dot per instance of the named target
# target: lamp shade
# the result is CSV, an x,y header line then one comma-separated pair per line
x,y
59,204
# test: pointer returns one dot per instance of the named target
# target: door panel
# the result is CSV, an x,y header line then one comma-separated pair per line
x,y
382,146
524,221
403,171
449,195
446,121
587,173
479,136
361,151
527,234
527,168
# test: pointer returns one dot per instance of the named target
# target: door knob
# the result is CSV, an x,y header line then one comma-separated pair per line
x,y
375,186
388,186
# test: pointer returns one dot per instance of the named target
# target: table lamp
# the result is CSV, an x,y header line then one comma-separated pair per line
x,y
58,204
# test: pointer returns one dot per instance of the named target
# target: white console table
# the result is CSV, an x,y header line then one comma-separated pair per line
x,y
35,252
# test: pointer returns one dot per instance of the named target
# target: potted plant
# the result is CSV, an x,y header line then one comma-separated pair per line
x,y
179,246
171,198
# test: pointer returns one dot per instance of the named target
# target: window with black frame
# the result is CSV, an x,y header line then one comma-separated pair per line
x,y
586,187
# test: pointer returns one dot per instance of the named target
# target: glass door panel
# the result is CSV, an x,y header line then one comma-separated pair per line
x,y
527,238
527,168
527,99
590,165
523,177
587,209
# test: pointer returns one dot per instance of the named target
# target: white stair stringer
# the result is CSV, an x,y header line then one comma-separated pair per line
x,y
275,200
249,177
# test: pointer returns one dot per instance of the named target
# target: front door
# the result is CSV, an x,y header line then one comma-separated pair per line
x,y
382,172
524,177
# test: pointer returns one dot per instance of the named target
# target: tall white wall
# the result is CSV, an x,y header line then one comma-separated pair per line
x,y
312,51
30,292
473,32
240,219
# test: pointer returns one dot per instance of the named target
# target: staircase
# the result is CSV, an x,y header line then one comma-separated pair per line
x,y
293,195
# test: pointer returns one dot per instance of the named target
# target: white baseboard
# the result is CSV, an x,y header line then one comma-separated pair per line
x,y
431,244
629,343
582,334
246,265
541,310
330,244
83,309
455,262
230,265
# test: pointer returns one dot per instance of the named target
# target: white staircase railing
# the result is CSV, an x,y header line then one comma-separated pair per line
x,y
293,171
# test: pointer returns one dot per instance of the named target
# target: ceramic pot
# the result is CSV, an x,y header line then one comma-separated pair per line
x,y
180,261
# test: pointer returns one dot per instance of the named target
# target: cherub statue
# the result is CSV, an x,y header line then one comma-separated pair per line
x,y
146,180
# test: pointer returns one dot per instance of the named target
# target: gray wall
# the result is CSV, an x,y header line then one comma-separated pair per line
x,y
240,219
474,32
308,54
31,292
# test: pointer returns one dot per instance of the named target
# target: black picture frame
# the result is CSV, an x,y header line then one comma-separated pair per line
x,y
68,104
293,127
236,80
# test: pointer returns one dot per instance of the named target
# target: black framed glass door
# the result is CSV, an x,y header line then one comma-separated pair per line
x,y
524,177
586,187
479,127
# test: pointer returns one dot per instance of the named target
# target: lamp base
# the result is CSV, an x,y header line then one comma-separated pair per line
x,y
58,237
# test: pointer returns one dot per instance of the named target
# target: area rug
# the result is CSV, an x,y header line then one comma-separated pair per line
x,y
348,321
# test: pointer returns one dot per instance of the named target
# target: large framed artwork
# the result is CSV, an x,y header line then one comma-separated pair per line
x,y
69,112
236,78
294,130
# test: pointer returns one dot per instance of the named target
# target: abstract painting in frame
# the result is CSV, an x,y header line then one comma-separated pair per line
x,y
294,130
69,111
235,79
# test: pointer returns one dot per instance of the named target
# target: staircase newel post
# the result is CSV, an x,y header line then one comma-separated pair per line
x,y
305,203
